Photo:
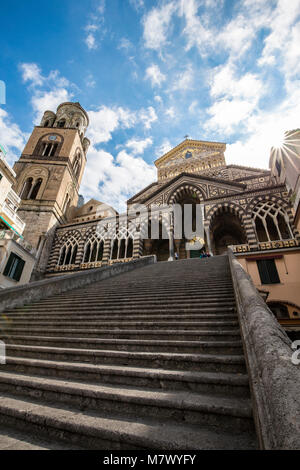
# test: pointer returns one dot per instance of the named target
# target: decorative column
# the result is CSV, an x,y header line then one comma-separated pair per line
x,y
79,255
177,245
137,248
250,232
207,231
106,251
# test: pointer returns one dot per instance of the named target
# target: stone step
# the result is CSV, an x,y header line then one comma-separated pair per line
x,y
174,361
232,413
137,292
160,288
206,382
13,439
105,432
217,307
123,324
130,300
178,317
179,335
210,347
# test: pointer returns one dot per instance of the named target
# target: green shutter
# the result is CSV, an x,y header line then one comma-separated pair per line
x,y
19,270
268,271
8,264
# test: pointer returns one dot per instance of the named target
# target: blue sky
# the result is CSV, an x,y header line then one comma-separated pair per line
x,y
150,72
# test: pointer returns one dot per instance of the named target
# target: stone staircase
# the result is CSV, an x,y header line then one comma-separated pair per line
x,y
150,359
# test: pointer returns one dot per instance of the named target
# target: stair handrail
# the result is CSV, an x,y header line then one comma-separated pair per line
x,y
274,378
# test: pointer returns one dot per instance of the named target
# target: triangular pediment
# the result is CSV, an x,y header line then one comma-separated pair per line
x,y
190,156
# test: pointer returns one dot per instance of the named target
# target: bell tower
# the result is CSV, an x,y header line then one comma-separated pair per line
x,y
49,174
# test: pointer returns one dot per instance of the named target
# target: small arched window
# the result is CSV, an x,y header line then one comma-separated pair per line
x,y
66,203
46,124
35,189
27,187
77,165
61,123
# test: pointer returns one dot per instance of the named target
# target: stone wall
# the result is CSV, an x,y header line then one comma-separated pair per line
x,y
274,379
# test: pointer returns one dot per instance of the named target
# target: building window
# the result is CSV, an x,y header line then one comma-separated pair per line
x,y
14,267
35,189
49,150
93,250
1,176
61,123
27,187
268,271
280,310
271,222
68,252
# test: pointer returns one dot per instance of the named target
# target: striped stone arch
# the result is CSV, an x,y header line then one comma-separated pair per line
x,y
224,207
185,189
237,210
280,201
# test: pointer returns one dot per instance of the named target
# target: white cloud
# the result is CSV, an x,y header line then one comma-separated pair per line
x,y
184,80
11,137
163,148
101,7
148,116
154,74
263,131
157,23
138,146
90,41
137,4
125,44
171,112
105,121
114,180
235,98
47,91
226,114
31,73
43,100
225,82
193,106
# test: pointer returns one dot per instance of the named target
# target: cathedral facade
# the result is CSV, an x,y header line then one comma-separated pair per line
x,y
245,208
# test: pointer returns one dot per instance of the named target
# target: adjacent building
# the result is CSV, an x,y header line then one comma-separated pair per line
x,y
17,257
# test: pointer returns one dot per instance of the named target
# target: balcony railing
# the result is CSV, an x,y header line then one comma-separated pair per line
x,y
9,235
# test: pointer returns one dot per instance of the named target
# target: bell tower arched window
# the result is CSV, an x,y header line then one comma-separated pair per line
x,y
35,189
61,123
77,165
27,187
